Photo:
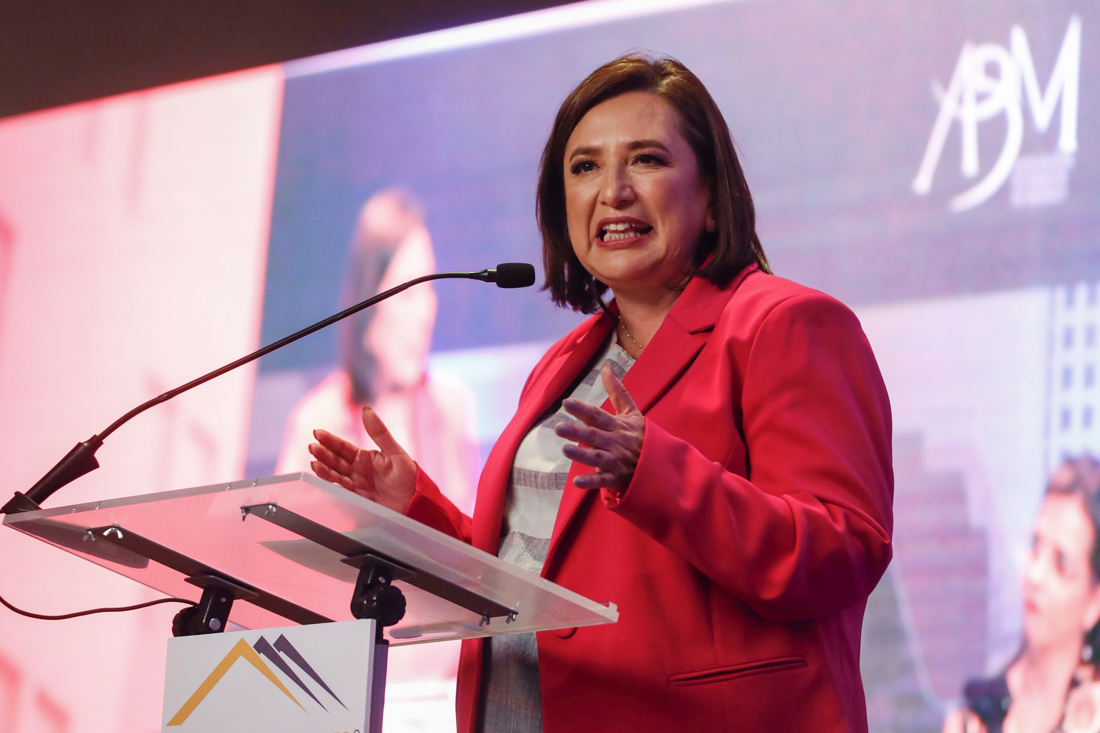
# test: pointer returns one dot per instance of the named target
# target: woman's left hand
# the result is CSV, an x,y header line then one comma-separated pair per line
x,y
609,443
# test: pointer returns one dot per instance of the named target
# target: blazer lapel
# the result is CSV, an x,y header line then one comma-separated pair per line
x,y
683,334
557,377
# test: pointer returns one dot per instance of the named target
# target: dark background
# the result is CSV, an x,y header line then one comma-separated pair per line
x,y
55,52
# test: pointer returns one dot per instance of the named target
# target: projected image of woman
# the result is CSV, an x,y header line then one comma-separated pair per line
x,y
1053,684
383,353
710,450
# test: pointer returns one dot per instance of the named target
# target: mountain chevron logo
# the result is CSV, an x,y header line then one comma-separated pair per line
x,y
255,655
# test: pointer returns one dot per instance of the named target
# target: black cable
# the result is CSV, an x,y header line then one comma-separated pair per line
x,y
89,612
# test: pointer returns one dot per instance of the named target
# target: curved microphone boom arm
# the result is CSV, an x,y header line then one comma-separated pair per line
x,y
81,459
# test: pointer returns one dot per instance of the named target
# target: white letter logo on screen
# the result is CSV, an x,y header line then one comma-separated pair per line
x,y
990,81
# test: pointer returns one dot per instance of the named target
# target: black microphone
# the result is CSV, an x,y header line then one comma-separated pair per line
x,y
508,275
515,275
81,459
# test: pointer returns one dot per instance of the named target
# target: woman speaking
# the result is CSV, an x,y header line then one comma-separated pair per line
x,y
710,450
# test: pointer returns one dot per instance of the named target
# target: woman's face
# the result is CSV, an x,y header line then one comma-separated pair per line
x,y
1061,599
400,334
635,203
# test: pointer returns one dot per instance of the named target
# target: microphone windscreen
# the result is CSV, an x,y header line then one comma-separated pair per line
x,y
515,275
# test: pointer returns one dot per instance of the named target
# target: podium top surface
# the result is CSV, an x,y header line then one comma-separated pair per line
x,y
255,532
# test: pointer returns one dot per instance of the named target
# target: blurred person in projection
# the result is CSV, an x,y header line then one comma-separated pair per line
x,y
383,353
1053,684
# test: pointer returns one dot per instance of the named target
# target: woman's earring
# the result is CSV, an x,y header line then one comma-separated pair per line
x,y
709,225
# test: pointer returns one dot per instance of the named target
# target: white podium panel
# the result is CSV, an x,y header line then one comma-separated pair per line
x,y
297,679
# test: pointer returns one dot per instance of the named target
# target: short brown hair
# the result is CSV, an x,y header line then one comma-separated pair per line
x,y
732,247
1080,476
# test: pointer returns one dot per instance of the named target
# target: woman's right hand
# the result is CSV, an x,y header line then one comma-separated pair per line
x,y
386,475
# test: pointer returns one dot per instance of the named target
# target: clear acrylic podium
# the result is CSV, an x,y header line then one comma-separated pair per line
x,y
292,548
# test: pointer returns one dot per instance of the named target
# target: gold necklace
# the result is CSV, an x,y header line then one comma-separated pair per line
x,y
627,332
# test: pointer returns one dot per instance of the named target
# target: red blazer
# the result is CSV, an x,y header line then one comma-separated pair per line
x,y
742,553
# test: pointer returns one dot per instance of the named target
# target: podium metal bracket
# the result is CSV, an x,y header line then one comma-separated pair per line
x,y
355,552
219,589
211,614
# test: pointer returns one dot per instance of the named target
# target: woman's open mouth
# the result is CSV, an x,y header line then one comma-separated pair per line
x,y
619,231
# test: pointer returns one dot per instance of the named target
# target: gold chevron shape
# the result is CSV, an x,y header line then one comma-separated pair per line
x,y
240,650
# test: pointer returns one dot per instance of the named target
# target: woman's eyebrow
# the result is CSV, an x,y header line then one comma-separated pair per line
x,y
639,144
632,145
584,150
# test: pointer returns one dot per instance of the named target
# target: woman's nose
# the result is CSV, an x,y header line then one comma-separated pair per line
x,y
1033,570
617,190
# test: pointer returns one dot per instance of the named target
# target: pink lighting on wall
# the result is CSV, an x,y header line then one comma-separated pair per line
x,y
142,227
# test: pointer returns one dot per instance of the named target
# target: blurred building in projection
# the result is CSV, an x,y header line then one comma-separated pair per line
x,y
1074,422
